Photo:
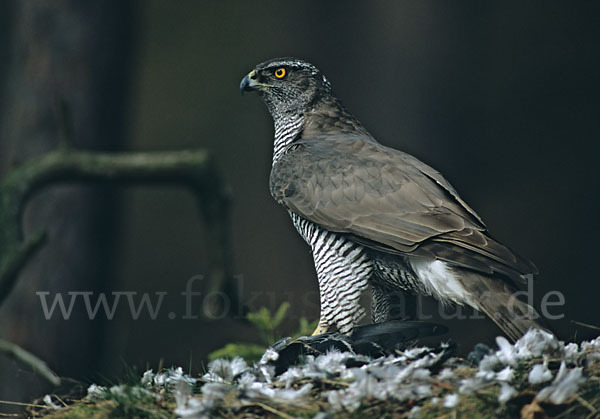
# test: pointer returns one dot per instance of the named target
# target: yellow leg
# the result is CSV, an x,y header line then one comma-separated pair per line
x,y
319,330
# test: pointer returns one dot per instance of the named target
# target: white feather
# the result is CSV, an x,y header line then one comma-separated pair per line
x,y
539,374
440,282
450,401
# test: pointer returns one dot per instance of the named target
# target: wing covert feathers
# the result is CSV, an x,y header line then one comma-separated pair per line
x,y
387,200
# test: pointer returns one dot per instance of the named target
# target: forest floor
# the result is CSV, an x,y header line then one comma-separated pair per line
x,y
537,377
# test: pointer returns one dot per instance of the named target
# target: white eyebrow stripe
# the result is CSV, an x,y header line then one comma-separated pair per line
x,y
291,63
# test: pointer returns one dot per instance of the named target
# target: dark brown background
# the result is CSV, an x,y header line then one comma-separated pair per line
x,y
502,98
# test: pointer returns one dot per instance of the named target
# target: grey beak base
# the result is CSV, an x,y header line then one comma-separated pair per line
x,y
249,83
245,85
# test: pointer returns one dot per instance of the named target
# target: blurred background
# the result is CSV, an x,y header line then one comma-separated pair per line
x,y
501,97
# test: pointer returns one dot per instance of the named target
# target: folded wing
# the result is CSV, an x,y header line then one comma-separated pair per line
x,y
387,200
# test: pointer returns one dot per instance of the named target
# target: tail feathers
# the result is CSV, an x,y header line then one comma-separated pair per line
x,y
497,299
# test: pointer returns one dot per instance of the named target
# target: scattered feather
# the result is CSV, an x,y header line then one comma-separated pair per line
x,y
446,375
539,374
421,378
48,402
507,392
95,392
507,375
563,387
223,370
450,401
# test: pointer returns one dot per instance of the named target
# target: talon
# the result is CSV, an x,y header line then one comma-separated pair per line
x,y
319,330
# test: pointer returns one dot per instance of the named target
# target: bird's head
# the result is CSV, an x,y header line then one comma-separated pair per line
x,y
287,85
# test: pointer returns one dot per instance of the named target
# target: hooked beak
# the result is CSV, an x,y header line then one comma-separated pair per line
x,y
250,83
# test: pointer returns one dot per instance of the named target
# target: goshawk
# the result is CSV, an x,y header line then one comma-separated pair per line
x,y
375,216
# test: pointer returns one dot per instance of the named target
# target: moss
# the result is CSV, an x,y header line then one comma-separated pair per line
x,y
128,405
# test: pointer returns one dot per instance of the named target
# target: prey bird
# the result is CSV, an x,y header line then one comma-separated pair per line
x,y
376,217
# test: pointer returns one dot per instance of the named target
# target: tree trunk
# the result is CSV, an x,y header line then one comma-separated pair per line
x,y
76,53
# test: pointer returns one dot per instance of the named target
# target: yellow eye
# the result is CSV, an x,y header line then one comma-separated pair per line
x,y
280,73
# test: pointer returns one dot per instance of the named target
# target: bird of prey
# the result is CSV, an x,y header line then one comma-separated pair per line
x,y
376,217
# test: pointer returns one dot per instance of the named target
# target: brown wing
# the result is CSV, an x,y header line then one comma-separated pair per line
x,y
388,200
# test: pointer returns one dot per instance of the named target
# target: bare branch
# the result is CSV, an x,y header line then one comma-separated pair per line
x,y
191,168
27,358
